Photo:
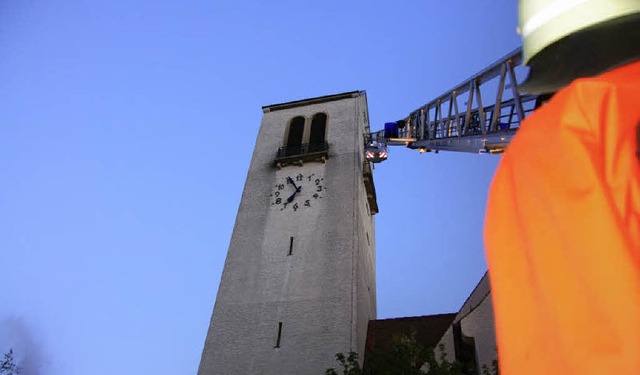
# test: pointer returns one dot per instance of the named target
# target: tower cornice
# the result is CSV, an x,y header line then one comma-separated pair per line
x,y
317,100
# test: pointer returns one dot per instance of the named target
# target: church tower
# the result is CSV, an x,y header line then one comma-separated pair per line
x,y
299,284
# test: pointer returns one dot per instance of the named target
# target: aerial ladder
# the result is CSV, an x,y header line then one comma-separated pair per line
x,y
449,123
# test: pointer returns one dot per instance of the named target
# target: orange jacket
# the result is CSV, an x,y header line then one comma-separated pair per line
x,y
562,233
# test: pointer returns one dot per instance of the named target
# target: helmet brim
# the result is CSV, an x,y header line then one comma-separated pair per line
x,y
586,53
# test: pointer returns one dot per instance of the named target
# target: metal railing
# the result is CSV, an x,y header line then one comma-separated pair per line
x,y
302,149
445,123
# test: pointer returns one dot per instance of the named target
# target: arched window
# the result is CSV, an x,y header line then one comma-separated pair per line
x,y
318,130
304,141
296,129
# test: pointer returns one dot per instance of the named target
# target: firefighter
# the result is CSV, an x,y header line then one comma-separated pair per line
x,y
562,229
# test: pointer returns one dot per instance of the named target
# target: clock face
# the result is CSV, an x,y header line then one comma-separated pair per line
x,y
298,192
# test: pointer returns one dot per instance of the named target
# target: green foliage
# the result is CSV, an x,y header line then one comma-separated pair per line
x,y
442,366
8,365
406,357
350,365
494,370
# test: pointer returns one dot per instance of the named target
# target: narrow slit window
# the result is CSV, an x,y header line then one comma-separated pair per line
x,y
368,242
279,335
290,246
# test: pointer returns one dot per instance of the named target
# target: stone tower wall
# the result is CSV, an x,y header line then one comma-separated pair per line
x,y
323,294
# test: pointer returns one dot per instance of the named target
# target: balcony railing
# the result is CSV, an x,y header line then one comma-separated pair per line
x,y
302,153
306,148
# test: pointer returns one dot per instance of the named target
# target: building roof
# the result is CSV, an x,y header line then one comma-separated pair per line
x,y
475,299
317,100
429,330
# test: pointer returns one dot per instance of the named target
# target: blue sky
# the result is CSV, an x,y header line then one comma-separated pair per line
x,y
126,130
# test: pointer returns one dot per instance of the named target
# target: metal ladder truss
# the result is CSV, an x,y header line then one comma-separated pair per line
x,y
441,125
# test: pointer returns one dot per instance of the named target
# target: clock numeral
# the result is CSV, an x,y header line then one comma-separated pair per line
x,y
298,181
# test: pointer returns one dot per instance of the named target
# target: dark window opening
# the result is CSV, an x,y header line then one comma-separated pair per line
x,y
315,148
318,129
296,129
290,246
465,349
279,335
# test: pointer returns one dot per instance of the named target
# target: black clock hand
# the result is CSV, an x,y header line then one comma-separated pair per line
x,y
293,183
290,199
290,180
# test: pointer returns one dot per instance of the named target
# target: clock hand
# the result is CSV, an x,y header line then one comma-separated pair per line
x,y
290,199
290,180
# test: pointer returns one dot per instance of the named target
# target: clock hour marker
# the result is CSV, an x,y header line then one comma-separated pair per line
x,y
296,191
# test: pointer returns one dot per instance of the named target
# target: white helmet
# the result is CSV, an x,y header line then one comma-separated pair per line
x,y
566,39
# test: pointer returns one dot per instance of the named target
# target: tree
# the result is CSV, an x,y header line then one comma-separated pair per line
x,y
8,365
406,357
493,370
349,363
442,366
